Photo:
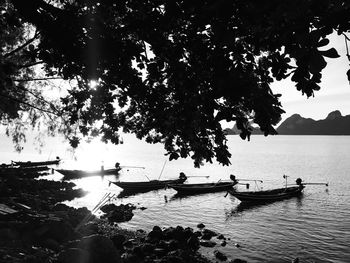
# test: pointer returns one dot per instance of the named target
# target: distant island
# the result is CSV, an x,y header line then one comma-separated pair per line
x,y
334,124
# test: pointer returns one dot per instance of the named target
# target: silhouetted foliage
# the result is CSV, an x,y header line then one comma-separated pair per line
x,y
171,71
22,103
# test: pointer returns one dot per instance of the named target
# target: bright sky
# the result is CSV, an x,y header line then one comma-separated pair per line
x,y
334,93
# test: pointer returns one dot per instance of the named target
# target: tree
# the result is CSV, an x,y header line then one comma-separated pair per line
x,y
171,71
22,103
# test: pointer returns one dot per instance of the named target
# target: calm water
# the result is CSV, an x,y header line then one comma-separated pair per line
x,y
314,227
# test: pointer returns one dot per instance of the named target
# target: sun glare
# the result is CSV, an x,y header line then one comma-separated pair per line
x,y
93,83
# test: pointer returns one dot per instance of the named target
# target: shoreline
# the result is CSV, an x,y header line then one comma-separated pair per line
x,y
37,227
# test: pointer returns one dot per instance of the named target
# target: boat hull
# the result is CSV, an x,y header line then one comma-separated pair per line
x,y
202,188
268,196
33,164
77,174
146,186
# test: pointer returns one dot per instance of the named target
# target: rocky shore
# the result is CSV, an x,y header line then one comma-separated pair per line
x,y
35,226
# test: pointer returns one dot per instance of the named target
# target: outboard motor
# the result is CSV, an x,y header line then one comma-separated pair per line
x,y
298,181
117,165
183,176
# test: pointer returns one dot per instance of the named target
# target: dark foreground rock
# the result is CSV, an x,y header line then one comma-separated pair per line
x,y
90,249
118,214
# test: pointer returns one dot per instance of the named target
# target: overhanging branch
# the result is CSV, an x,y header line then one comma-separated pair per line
x,y
31,64
30,105
38,97
37,79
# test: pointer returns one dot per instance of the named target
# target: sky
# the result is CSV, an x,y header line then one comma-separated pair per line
x,y
334,93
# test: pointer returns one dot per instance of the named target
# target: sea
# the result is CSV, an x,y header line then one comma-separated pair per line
x,y
314,227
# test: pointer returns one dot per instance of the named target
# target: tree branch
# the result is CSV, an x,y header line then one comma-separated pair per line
x,y
145,47
30,105
346,45
31,64
347,38
37,79
38,97
36,34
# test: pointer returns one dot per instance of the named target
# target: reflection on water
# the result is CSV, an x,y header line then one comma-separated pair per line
x,y
184,196
299,200
245,206
125,194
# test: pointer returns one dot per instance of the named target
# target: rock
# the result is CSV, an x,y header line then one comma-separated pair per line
x,y
155,235
237,245
121,213
188,232
71,244
138,251
172,259
58,230
237,260
8,234
219,255
147,248
173,245
130,258
101,249
223,243
118,241
179,228
163,244
74,255
221,236
89,229
51,244
108,208
177,233
157,228
198,233
129,243
207,243
60,207
181,234
141,231
193,242
296,260
201,225
208,234
169,233
159,251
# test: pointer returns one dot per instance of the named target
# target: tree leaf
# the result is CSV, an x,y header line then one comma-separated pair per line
x,y
330,53
317,63
173,156
323,42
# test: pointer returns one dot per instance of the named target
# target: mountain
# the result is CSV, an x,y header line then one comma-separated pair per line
x,y
334,124
235,130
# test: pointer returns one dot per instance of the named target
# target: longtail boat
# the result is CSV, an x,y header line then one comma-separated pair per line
x,y
77,174
188,189
33,164
274,194
268,195
149,185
